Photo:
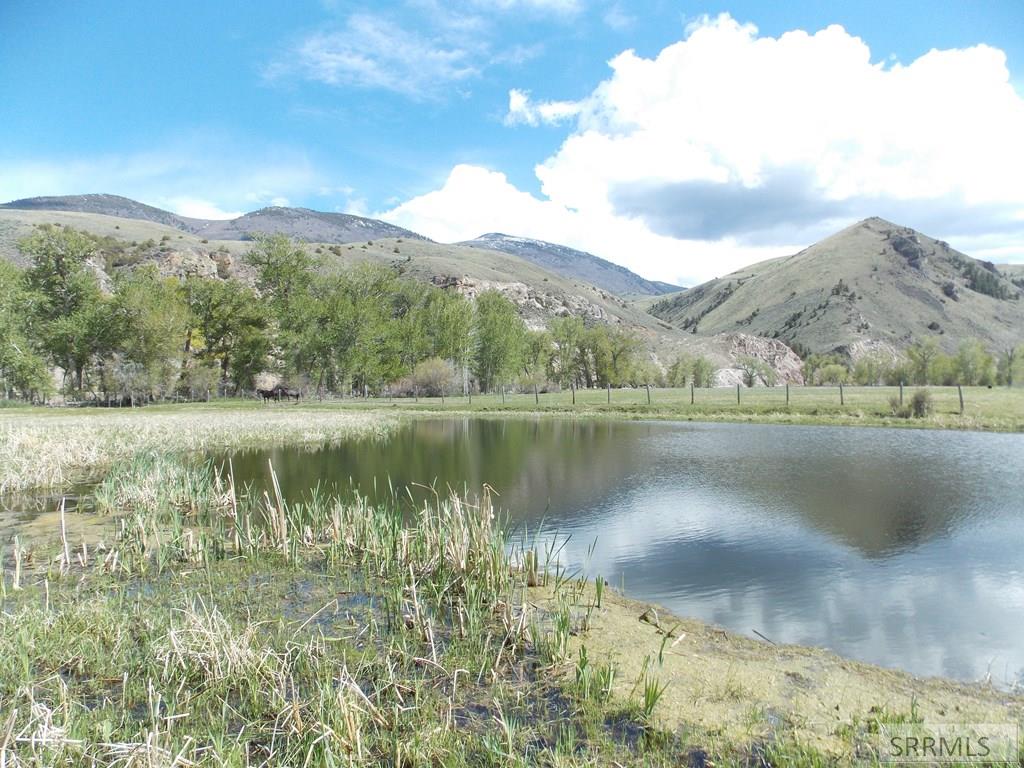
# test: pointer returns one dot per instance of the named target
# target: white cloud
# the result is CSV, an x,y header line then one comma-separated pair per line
x,y
199,209
475,200
618,19
728,146
522,110
372,52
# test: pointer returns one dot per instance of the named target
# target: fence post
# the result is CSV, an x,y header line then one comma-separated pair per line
x,y
842,400
572,386
691,393
536,396
960,391
787,394
609,393
737,394
901,393
648,393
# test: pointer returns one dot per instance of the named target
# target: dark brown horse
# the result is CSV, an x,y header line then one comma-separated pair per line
x,y
284,393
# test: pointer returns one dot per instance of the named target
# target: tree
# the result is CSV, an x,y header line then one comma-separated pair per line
x,y
567,334
153,321
228,326
870,369
754,371
703,372
498,341
22,370
974,364
922,355
537,349
1011,362
71,315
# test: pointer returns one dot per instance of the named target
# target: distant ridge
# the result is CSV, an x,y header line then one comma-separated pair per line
x,y
574,264
874,284
302,223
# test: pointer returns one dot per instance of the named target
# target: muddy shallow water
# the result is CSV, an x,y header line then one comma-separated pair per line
x,y
899,547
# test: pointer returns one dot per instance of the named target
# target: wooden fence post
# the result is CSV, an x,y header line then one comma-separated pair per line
x,y
960,391
609,393
787,394
901,393
536,396
737,394
691,393
842,400
648,393
572,386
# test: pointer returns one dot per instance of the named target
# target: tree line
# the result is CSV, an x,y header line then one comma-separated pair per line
x,y
923,363
361,330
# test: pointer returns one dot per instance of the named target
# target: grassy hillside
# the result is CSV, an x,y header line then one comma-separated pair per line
x,y
573,264
539,293
872,283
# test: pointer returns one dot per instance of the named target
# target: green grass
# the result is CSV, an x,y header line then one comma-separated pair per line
x,y
996,409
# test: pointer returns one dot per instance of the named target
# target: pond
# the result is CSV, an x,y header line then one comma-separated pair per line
x,y
903,548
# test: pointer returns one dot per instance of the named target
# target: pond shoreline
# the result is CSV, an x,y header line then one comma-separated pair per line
x,y
727,691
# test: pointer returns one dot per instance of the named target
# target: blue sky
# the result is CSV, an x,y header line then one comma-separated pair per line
x,y
408,110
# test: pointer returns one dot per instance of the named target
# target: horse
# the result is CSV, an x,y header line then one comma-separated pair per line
x,y
283,392
268,394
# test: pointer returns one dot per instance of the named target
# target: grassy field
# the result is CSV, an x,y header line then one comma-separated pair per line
x,y
994,409
209,628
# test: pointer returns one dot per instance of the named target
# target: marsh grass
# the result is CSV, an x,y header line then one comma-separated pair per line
x,y
219,628
47,448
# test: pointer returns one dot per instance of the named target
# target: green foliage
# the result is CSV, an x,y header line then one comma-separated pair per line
x,y
974,365
227,328
813,363
500,335
22,370
699,371
71,317
1011,366
755,371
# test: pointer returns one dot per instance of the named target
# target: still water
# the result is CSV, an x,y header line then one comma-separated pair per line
x,y
900,547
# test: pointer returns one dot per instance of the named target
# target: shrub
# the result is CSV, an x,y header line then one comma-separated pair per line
x,y
921,404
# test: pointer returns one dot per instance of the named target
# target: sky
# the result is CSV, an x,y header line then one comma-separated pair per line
x,y
682,140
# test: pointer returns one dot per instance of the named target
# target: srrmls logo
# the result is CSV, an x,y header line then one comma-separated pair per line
x,y
988,743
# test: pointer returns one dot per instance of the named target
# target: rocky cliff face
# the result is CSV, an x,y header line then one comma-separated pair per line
x,y
535,306
784,361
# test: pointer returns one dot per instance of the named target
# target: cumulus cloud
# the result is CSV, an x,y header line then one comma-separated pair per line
x,y
474,200
730,144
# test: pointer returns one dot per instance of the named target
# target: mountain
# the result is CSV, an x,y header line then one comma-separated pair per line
x,y
874,283
107,205
573,264
301,223
539,293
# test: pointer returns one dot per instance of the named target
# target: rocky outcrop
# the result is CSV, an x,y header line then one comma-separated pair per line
x,y
535,306
786,364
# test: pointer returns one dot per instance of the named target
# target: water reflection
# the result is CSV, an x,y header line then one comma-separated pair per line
x,y
894,546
